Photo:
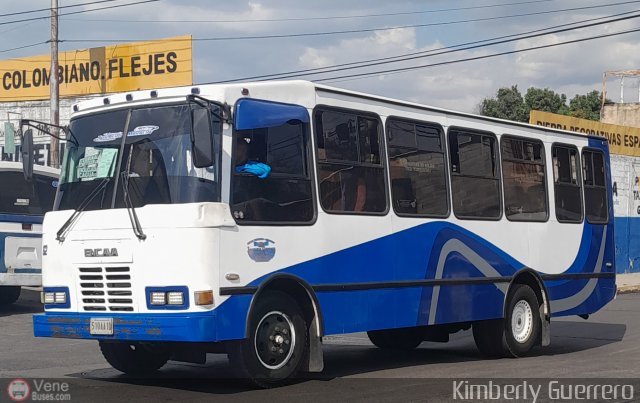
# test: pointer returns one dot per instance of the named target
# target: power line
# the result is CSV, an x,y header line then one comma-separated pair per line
x,y
446,50
353,31
80,12
415,55
24,47
468,59
334,17
39,10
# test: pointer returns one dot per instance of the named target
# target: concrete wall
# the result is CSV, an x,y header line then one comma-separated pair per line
x,y
627,114
625,173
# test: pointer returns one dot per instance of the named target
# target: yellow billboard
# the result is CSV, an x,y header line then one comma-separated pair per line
x,y
115,68
623,140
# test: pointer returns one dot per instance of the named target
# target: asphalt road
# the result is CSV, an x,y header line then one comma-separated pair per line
x,y
605,346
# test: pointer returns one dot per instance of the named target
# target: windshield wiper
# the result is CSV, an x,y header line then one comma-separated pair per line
x,y
133,216
67,224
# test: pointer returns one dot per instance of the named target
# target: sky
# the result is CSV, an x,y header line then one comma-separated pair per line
x,y
570,69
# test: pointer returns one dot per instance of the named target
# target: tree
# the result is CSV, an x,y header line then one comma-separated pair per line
x,y
508,104
586,106
545,100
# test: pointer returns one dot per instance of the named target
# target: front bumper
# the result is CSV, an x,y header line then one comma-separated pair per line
x,y
186,327
21,279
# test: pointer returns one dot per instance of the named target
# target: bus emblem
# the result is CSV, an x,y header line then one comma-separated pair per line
x,y
261,249
101,252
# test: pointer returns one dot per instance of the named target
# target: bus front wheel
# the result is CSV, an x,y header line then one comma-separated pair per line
x,y
518,332
135,358
277,343
9,294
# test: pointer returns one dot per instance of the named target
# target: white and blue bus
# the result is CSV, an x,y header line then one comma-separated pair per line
x,y
254,219
22,207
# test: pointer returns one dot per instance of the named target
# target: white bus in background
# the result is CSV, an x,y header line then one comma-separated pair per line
x,y
254,219
22,207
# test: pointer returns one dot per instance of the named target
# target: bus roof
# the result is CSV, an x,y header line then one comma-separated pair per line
x,y
291,87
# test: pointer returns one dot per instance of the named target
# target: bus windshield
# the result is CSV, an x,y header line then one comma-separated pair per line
x,y
20,197
157,158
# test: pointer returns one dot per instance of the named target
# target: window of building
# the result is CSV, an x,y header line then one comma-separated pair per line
x,y
284,193
417,168
567,189
523,173
350,169
475,179
595,187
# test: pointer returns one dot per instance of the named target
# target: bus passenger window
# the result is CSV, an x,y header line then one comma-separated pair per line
x,y
523,172
475,180
595,188
567,189
350,169
417,169
271,180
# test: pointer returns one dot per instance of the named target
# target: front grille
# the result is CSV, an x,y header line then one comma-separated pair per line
x,y
106,289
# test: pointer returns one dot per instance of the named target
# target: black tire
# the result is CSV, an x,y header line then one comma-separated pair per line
x,y
496,338
135,358
277,344
488,335
9,294
405,339
522,297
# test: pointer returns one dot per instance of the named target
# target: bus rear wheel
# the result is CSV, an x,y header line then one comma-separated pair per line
x,y
518,332
277,343
9,294
135,358
396,339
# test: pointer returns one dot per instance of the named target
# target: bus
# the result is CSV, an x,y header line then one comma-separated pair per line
x,y
254,219
22,207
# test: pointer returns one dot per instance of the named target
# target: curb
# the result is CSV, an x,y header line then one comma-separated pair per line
x,y
628,289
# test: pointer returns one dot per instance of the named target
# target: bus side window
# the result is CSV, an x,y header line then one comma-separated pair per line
x,y
417,169
567,188
350,169
281,192
475,180
595,187
523,172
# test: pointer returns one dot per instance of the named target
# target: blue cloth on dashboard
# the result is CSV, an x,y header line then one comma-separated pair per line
x,y
255,168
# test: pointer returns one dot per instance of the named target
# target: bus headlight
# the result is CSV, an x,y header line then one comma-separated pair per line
x,y
172,297
158,298
48,297
55,297
175,298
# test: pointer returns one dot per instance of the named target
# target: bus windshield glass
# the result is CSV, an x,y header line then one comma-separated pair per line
x,y
20,197
157,158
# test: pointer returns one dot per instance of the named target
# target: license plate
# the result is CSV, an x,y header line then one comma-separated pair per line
x,y
101,326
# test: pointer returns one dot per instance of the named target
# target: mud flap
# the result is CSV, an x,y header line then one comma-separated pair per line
x,y
316,358
545,331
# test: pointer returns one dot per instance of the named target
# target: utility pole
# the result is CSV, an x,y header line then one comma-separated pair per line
x,y
54,84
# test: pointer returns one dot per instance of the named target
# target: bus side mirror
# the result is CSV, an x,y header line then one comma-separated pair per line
x,y
27,154
201,137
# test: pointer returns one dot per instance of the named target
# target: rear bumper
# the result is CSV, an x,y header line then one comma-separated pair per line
x,y
187,327
21,279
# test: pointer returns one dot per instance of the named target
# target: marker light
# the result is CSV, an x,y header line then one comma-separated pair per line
x,y
158,298
203,297
175,298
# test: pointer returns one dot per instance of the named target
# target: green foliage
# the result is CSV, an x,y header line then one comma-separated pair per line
x,y
511,105
545,100
508,104
586,106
